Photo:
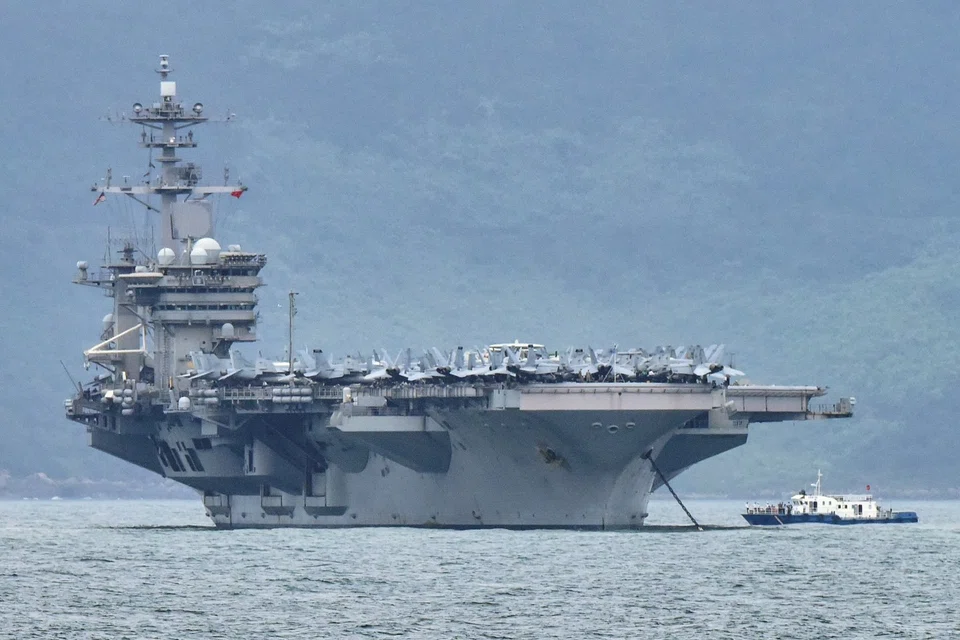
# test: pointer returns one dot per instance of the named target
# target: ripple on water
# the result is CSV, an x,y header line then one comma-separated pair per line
x,y
160,570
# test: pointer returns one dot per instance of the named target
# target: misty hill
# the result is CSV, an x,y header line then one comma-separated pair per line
x,y
781,179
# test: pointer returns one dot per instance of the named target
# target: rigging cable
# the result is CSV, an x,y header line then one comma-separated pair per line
x,y
649,456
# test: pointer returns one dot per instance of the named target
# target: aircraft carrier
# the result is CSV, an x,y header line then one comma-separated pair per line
x,y
505,435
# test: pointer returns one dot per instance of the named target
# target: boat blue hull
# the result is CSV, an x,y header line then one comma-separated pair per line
x,y
776,519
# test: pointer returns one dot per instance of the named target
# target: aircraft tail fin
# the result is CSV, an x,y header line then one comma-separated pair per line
x,y
307,362
323,362
531,358
442,360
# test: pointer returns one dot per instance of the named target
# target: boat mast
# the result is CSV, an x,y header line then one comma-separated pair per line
x,y
293,312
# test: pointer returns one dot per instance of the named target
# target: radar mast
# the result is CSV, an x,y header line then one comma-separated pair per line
x,y
181,221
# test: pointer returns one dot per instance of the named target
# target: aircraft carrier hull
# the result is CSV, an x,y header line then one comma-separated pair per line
x,y
580,456
534,470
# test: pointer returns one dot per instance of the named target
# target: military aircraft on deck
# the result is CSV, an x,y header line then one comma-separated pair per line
x,y
526,361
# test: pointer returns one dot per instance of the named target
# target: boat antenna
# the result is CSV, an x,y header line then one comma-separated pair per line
x,y
67,371
293,312
816,486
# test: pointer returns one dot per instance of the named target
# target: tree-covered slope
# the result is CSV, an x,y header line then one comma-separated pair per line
x,y
779,178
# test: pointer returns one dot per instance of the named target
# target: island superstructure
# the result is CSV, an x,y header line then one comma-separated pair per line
x,y
505,435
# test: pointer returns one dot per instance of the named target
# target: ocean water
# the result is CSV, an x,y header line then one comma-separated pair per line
x,y
127,569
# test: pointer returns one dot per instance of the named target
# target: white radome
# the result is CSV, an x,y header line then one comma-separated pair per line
x,y
199,256
211,246
166,256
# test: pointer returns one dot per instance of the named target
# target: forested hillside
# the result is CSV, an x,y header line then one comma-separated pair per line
x,y
780,178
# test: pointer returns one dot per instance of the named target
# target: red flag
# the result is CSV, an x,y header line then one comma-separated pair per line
x,y
100,198
237,193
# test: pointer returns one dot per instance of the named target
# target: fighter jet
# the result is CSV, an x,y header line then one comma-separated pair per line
x,y
711,368
204,366
498,365
467,368
274,372
240,368
384,369
316,365
536,363
423,369
235,369
440,362
611,369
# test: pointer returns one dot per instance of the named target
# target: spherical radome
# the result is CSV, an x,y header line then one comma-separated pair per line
x,y
166,256
208,244
199,256
211,246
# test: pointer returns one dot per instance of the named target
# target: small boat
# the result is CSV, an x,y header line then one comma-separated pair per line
x,y
826,509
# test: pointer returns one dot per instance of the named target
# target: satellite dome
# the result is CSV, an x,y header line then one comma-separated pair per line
x,y
107,321
211,246
227,331
199,256
166,256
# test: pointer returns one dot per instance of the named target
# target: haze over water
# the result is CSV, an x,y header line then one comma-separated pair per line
x,y
122,569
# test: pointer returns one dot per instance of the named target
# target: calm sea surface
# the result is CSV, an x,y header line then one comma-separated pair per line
x,y
91,569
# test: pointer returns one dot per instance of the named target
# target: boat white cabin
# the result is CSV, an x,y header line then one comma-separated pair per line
x,y
843,505
826,509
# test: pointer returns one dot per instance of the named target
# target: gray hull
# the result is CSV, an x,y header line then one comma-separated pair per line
x,y
504,471
563,455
